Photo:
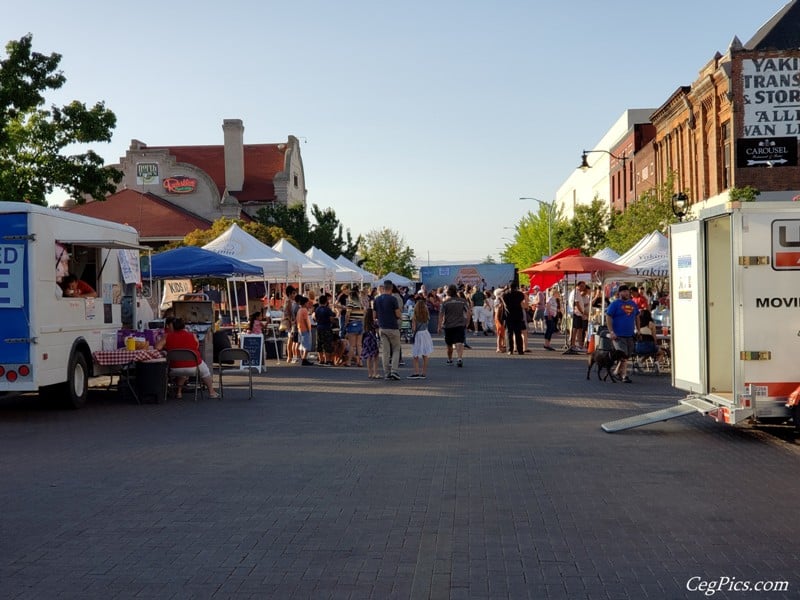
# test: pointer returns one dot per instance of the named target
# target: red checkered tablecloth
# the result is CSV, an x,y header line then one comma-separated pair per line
x,y
124,357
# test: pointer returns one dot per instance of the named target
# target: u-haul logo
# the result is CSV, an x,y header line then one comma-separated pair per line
x,y
786,245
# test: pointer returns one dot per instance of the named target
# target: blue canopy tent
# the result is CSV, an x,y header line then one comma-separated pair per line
x,y
191,261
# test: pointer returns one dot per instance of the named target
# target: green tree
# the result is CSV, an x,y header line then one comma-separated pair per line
x,y
652,211
269,235
329,235
384,250
533,237
292,219
489,260
33,139
587,229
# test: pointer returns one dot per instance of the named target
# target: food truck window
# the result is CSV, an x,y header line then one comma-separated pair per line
x,y
78,261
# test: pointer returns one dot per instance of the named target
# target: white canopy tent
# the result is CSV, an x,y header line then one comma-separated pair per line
x,y
235,242
647,259
366,276
309,270
398,280
239,244
341,274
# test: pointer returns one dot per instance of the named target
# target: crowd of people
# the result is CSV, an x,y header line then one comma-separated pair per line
x,y
365,326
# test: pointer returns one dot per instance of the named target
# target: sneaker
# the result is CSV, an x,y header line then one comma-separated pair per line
x,y
394,376
627,380
449,361
421,376
413,376
550,348
467,346
295,360
460,364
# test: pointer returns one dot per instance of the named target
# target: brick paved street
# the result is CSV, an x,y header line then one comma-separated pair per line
x,y
491,481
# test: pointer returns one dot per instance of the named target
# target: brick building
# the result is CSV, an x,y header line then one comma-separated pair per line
x,y
738,123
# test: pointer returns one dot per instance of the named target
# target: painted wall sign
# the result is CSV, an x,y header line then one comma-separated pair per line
x,y
180,184
766,152
771,96
147,174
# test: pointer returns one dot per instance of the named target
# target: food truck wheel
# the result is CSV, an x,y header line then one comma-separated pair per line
x,y
76,387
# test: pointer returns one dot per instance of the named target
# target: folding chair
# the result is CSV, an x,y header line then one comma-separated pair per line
x,y
231,354
185,355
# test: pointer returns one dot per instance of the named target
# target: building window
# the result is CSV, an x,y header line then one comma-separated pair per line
x,y
296,181
725,138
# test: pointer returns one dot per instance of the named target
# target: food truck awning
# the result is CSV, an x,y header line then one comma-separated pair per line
x,y
110,244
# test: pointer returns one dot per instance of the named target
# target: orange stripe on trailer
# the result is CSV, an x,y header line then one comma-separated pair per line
x,y
787,259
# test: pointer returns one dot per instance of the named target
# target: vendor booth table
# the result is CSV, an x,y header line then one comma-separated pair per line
x,y
125,365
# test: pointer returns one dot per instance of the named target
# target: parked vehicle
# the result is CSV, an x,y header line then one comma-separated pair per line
x,y
47,338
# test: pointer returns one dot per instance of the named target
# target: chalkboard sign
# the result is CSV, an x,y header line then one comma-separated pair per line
x,y
254,344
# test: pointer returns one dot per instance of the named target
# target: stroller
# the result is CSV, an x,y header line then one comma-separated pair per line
x,y
648,357
405,328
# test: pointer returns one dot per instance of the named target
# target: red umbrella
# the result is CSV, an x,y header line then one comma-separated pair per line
x,y
575,264
547,280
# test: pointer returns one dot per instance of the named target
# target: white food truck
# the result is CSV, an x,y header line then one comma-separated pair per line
x,y
47,338
735,314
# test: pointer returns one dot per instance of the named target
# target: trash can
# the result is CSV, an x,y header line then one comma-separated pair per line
x,y
151,381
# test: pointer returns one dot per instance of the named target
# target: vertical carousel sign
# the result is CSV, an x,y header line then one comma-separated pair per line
x,y
771,88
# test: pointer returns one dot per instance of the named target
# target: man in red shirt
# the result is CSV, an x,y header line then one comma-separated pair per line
x,y
179,339
639,299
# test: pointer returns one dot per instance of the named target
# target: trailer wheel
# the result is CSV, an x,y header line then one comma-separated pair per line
x,y
77,385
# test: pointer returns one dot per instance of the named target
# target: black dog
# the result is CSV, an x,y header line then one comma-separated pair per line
x,y
604,359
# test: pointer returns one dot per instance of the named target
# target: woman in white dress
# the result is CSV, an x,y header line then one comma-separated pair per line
x,y
423,344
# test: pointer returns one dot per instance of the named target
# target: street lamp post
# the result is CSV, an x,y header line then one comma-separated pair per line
x,y
585,164
550,207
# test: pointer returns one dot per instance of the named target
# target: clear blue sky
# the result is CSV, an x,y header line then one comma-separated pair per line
x,y
428,117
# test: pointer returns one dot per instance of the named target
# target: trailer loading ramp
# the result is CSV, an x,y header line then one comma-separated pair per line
x,y
687,406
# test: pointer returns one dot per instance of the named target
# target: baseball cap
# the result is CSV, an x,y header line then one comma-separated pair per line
x,y
536,287
622,288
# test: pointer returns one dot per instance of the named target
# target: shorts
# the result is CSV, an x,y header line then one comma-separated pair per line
x,y
325,340
578,322
190,371
538,314
355,327
454,335
305,340
625,345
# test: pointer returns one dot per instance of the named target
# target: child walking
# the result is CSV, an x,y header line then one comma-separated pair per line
x,y
423,344
369,344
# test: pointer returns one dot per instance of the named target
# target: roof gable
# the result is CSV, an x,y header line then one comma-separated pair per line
x,y
781,32
262,162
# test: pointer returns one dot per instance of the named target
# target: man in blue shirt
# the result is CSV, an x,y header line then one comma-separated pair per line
x,y
387,312
623,323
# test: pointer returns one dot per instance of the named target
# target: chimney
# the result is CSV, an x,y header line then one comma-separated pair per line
x,y
233,130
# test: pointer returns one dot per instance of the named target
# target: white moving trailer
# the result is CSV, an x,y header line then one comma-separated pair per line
x,y
46,339
735,313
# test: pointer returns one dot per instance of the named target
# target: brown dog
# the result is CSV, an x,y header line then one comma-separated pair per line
x,y
604,359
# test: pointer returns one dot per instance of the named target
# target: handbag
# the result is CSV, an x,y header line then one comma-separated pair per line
x,y
285,325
